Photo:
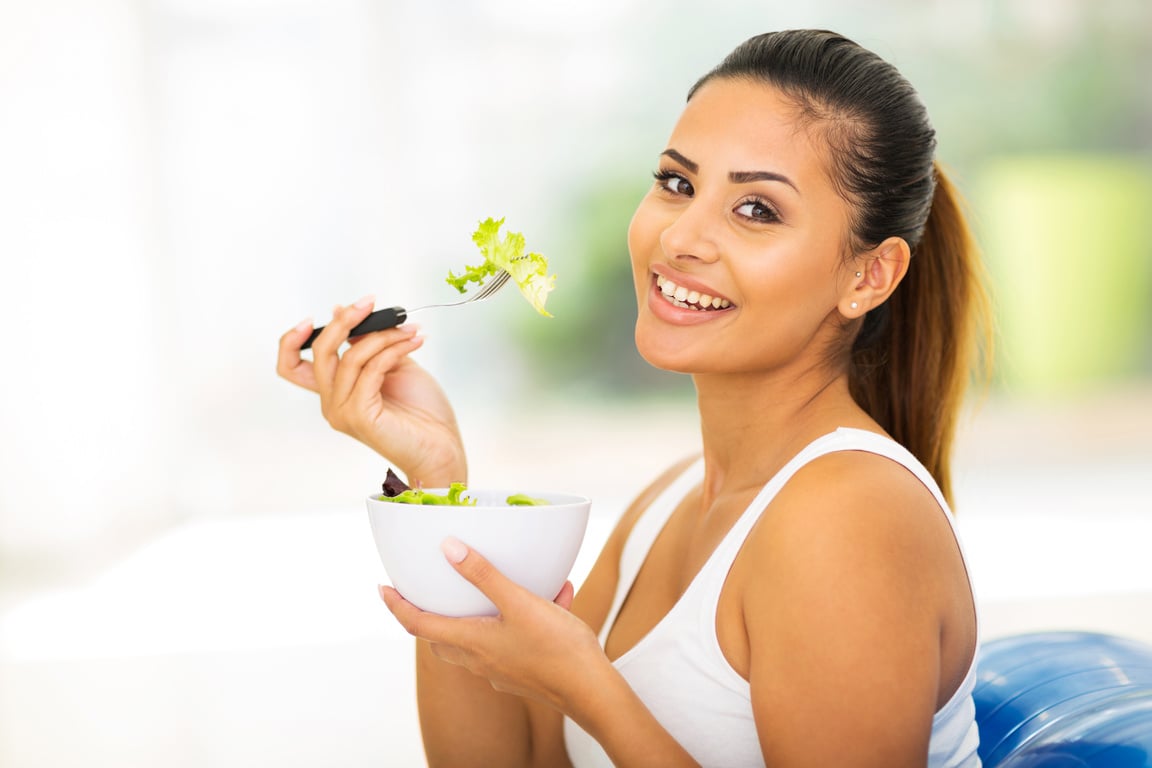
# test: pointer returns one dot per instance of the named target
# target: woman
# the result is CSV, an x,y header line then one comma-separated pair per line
x,y
797,595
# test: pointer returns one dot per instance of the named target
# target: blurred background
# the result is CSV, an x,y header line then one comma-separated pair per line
x,y
186,572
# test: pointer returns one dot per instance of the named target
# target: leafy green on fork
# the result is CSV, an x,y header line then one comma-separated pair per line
x,y
529,270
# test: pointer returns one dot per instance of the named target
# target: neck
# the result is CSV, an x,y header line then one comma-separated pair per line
x,y
753,424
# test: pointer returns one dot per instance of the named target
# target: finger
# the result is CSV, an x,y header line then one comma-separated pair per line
x,y
365,365
368,386
567,593
404,611
359,337
429,626
326,347
289,364
407,614
474,567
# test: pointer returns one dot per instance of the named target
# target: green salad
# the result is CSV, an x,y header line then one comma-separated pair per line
x,y
529,270
399,492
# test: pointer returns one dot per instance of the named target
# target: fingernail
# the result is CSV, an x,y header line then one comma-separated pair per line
x,y
410,328
303,325
454,549
380,589
367,301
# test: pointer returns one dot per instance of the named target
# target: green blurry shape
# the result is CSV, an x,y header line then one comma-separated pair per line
x,y
588,346
1066,238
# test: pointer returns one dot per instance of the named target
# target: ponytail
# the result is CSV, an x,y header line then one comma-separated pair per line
x,y
911,364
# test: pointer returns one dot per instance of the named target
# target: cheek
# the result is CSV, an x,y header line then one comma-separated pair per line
x,y
789,295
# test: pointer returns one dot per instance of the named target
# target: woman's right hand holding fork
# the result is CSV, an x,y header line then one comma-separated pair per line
x,y
377,394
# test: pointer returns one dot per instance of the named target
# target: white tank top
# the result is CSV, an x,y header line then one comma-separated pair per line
x,y
678,669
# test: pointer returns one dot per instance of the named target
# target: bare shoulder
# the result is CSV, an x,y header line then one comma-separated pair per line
x,y
846,585
595,596
859,528
859,502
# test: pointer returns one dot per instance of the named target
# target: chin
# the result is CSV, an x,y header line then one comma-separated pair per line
x,y
664,353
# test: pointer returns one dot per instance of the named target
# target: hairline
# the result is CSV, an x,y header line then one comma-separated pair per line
x,y
815,117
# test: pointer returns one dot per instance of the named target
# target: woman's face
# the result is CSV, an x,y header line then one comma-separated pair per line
x,y
743,216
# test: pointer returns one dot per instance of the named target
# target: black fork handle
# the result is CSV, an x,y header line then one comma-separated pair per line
x,y
381,319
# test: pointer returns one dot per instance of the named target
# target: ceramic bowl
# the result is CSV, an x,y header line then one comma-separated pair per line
x,y
534,546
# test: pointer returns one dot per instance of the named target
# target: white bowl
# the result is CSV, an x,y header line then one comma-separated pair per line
x,y
534,546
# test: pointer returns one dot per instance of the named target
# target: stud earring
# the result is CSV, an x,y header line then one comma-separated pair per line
x,y
859,274
854,305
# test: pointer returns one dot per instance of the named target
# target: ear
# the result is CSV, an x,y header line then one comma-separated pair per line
x,y
880,270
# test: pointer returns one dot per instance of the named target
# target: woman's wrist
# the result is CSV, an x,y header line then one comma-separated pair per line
x,y
427,472
452,470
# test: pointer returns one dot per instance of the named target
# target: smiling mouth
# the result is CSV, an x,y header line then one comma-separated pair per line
x,y
679,296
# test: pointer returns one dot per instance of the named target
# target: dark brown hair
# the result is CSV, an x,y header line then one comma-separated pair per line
x,y
910,359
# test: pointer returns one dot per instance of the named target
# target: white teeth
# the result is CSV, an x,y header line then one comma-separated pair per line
x,y
680,296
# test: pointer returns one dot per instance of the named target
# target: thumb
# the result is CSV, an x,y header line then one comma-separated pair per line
x,y
479,572
567,593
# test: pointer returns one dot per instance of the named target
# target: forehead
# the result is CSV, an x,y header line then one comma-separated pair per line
x,y
741,125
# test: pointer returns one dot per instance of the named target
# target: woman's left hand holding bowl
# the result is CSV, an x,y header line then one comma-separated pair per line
x,y
534,648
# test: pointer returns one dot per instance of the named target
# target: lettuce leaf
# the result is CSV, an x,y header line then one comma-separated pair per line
x,y
420,496
530,271
522,500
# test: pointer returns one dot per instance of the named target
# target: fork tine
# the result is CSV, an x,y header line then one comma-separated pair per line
x,y
492,286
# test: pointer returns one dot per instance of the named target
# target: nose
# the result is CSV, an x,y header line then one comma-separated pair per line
x,y
691,235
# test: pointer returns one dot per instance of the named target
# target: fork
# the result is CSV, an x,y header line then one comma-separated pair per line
x,y
390,317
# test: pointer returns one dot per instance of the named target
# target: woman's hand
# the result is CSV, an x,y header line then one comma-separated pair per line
x,y
540,651
378,395
534,648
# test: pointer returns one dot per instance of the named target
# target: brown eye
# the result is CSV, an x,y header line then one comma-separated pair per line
x,y
679,186
757,210
674,183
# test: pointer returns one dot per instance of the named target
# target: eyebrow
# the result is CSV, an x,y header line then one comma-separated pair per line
x,y
736,177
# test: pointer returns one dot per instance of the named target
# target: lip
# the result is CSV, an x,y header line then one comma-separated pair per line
x,y
668,312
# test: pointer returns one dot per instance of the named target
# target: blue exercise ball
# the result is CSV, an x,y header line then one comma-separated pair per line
x,y
1064,700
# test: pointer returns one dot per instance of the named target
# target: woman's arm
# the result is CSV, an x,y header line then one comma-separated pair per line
x,y
550,657
464,721
844,585
375,393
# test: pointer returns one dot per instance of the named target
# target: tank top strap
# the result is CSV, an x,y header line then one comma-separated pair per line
x,y
840,440
643,536
715,570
